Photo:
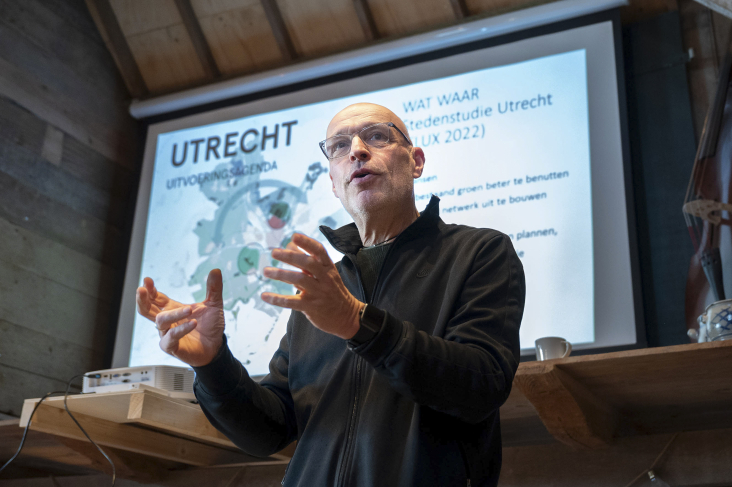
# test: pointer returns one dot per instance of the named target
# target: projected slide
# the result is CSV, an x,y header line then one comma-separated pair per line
x,y
506,148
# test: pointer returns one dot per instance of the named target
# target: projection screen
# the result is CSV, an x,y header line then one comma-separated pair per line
x,y
524,137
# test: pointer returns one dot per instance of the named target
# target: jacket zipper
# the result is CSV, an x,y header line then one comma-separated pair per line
x,y
354,414
465,461
352,426
378,276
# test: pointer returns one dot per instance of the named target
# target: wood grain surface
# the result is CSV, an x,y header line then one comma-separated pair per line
x,y
585,401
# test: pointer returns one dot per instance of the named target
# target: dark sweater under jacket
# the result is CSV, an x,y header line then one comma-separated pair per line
x,y
415,406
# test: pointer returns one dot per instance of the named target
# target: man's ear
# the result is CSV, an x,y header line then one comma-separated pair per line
x,y
332,184
418,156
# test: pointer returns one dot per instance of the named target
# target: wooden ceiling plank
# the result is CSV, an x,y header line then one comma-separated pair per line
x,y
498,7
136,17
203,50
366,19
279,29
167,58
114,38
460,7
320,27
405,17
238,34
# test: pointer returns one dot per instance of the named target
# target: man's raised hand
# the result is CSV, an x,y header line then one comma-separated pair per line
x,y
324,298
191,332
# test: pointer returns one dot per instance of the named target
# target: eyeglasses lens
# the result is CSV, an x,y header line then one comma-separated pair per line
x,y
373,136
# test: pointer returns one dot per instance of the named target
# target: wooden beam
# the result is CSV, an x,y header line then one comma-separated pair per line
x,y
366,19
203,50
279,29
460,8
570,412
723,7
111,32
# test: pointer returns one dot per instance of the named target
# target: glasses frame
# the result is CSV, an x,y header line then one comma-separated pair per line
x,y
390,124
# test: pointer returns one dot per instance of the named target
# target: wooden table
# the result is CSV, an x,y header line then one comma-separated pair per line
x,y
583,401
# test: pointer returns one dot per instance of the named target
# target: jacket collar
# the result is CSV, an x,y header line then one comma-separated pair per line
x,y
347,240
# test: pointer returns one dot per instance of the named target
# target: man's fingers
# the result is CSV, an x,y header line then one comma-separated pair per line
x,y
144,305
150,286
143,302
290,302
165,319
297,279
312,247
298,259
170,341
214,286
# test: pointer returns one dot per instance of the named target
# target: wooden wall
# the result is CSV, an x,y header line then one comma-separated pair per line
x,y
67,160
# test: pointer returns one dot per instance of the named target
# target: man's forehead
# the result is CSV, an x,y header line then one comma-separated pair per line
x,y
358,116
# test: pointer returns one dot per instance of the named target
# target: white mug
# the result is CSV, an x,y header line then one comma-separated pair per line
x,y
548,348
716,322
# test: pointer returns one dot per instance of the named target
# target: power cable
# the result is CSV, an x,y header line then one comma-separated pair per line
x,y
66,407
25,432
655,463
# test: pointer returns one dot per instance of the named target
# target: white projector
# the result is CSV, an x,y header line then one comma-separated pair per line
x,y
175,382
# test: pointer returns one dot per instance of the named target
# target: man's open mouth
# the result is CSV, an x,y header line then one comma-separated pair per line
x,y
360,174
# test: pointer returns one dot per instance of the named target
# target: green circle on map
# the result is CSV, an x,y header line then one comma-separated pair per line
x,y
248,259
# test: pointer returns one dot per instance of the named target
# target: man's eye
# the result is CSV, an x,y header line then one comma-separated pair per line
x,y
377,137
338,145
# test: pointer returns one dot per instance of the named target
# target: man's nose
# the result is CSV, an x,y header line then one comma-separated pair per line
x,y
359,151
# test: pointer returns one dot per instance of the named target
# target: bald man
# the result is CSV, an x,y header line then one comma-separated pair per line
x,y
396,359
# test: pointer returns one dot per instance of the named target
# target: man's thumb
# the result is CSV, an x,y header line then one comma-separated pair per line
x,y
214,286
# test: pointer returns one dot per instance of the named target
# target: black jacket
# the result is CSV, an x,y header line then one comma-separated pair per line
x,y
415,406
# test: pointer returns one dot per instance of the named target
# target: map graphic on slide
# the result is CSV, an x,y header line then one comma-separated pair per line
x,y
254,216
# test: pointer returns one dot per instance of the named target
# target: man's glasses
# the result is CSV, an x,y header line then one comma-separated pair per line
x,y
377,135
